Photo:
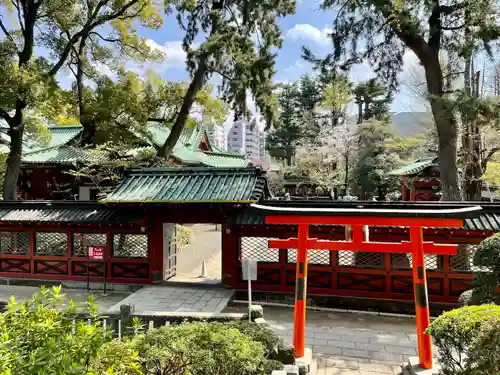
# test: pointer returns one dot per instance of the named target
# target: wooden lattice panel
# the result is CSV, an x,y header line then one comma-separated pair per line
x,y
359,259
464,260
51,244
130,246
320,257
257,248
404,261
15,243
82,241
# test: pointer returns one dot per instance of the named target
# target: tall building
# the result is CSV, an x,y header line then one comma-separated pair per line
x,y
243,138
217,136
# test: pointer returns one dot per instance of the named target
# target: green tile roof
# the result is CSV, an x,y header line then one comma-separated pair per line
x,y
60,155
414,168
190,185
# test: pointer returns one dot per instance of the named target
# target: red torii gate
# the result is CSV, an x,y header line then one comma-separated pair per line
x,y
358,217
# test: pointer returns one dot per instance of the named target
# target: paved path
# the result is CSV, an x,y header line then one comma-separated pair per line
x,y
205,246
351,344
177,298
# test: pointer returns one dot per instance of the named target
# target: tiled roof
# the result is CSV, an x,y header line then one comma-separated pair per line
x,y
186,149
191,185
66,212
59,155
414,168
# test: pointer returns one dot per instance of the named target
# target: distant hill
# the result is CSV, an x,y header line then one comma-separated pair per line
x,y
407,124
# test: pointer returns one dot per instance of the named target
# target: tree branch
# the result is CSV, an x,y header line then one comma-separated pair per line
x,y
487,158
6,32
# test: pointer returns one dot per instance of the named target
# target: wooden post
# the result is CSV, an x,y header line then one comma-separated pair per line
x,y
421,298
299,321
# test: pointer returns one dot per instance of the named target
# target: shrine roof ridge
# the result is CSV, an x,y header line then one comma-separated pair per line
x,y
369,209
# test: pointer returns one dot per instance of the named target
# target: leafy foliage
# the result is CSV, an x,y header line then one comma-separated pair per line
x,y
282,142
455,333
241,37
485,352
374,160
197,349
39,336
487,278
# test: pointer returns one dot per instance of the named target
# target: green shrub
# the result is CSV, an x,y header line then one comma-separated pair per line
x,y
484,356
486,279
117,358
39,336
259,333
454,333
183,235
199,349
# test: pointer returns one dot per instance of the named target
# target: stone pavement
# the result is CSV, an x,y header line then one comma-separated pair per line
x,y
349,343
177,298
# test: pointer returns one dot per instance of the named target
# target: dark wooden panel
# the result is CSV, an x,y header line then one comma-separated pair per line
x,y
130,270
458,286
404,284
15,265
94,268
51,267
370,282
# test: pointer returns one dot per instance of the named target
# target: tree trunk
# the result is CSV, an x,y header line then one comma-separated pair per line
x,y
13,165
446,127
16,123
196,84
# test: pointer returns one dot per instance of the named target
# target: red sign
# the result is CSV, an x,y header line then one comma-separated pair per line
x,y
96,252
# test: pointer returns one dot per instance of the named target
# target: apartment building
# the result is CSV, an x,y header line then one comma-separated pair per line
x,y
247,139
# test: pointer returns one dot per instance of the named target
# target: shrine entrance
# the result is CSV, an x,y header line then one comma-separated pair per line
x,y
357,217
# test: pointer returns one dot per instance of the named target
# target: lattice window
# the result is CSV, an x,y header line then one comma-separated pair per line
x,y
313,256
257,248
464,260
81,242
130,246
404,261
15,243
360,259
51,243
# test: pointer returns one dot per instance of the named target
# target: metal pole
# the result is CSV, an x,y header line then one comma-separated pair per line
x,y
421,298
299,322
249,293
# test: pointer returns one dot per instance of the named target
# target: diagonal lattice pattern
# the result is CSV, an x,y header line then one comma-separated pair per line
x,y
51,243
16,243
464,260
257,248
320,257
81,242
404,261
359,259
130,245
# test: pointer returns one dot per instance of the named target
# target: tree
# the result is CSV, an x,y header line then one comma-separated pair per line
x,y
27,81
426,28
372,99
336,96
308,99
241,36
374,160
282,142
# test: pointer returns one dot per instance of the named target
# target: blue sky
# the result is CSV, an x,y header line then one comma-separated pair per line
x,y
308,27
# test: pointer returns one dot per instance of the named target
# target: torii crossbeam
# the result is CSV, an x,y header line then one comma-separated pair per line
x,y
355,216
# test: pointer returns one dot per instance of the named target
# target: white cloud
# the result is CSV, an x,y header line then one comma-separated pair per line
x,y
175,55
103,69
306,31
